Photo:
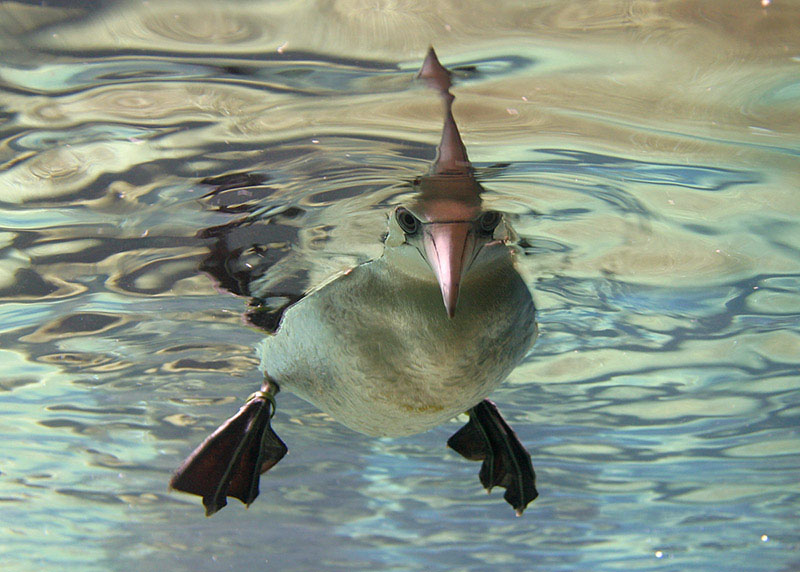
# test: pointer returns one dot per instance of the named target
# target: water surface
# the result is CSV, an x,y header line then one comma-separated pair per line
x,y
648,154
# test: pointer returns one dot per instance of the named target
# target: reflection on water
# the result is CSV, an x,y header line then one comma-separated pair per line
x,y
647,154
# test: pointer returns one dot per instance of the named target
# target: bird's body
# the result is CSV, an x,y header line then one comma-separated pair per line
x,y
374,349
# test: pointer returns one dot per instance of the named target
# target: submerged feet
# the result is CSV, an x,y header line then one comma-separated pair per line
x,y
506,463
230,461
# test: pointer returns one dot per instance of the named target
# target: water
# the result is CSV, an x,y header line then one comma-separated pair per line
x,y
649,155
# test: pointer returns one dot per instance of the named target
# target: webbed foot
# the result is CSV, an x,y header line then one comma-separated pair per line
x,y
506,463
230,461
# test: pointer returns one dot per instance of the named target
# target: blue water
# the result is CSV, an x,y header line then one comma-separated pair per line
x,y
647,156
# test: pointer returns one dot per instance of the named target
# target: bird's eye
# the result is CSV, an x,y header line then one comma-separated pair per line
x,y
489,221
407,221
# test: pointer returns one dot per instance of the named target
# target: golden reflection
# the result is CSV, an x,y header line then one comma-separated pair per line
x,y
152,103
204,26
233,365
204,401
154,272
180,420
20,18
61,171
84,361
77,324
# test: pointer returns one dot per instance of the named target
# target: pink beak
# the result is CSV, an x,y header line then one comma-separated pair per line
x,y
449,247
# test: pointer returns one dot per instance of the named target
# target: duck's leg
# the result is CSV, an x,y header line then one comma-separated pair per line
x,y
506,463
229,462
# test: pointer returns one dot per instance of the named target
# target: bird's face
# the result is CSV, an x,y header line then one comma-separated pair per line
x,y
444,237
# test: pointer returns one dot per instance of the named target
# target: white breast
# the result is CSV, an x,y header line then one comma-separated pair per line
x,y
376,350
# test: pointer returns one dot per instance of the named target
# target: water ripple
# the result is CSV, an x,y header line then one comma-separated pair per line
x,y
649,182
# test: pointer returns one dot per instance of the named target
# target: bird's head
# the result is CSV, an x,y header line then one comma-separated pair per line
x,y
444,235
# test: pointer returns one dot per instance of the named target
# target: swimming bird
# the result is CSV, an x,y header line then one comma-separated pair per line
x,y
399,344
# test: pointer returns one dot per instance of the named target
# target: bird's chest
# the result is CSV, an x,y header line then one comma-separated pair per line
x,y
386,360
